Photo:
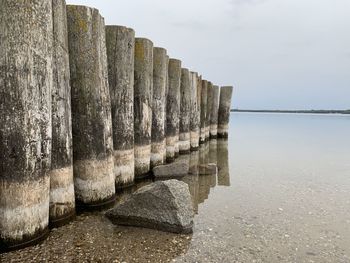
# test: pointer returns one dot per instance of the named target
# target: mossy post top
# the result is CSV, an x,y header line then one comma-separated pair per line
x,y
175,61
121,27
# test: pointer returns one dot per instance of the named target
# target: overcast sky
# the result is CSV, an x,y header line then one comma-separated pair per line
x,y
278,54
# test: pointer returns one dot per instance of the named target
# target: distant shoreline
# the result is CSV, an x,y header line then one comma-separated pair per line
x,y
295,111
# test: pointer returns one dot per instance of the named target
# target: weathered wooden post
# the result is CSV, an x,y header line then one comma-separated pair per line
x,y
214,109
209,108
143,75
195,112
165,107
91,110
177,150
224,111
204,91
160,73
223,164
120,42
173,108
185,112
62,199
25,121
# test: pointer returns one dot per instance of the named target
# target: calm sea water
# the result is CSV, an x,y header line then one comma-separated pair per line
x,y
288,198
281,194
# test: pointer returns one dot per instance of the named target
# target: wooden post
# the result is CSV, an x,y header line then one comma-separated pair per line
x,y
209,108
185,113
214,110
160,73
91,108
224,111
204,91
120,42
143,105
195,112
25,121
62,199
173,108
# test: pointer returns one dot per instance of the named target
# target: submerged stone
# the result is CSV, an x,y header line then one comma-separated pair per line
x,y
163,205
207,169
176,169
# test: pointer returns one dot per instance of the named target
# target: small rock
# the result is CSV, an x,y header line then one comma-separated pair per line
x,y
176,169
163,205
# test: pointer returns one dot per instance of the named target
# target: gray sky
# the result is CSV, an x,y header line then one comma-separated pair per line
x,y
285,54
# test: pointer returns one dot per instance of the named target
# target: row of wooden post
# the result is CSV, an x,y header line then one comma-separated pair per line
x,y
86,109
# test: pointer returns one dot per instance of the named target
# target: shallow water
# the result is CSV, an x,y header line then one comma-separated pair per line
x,y
289,199
282,194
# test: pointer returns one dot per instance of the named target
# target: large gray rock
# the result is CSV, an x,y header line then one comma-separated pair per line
x,y
176,169
163,205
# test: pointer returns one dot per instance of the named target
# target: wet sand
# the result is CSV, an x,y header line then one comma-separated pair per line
x,y
282,194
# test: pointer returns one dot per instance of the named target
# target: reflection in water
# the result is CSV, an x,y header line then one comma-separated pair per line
x,y
213,158
200,184
223,167
193,185
204,153
194,161
289,199
199,178
213,151
204,188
